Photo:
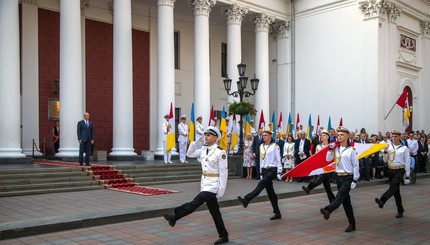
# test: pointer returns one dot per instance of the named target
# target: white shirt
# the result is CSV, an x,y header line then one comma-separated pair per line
x,y
270,157
346,160
183,132
213,161
398,155
199,130
413,146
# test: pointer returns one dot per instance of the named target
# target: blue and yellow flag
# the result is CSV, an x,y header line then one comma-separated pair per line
x,y
309,130
223,143
191,134
248,129
289,124
273,125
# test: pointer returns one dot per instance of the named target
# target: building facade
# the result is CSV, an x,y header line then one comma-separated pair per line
x,y
126,61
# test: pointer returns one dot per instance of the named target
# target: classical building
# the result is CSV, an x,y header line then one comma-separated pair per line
x,y
126,61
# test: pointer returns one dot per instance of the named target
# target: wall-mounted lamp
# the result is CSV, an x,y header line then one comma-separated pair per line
x,y
57,86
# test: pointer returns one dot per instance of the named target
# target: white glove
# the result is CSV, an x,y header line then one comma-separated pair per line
x,y
261,177
331,146
353,185
406,181
279,177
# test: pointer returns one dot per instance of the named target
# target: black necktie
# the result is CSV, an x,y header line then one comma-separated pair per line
x,y
207,151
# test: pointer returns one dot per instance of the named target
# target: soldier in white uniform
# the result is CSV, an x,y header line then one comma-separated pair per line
x,y
183,139
213,182
347,171
270,169
398,164
166,130
199,131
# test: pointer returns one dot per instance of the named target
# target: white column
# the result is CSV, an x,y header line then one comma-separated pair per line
x,y
262,24
71,96
30,78
122,81
165,67
10,104
283,68
235,16
424,84
202,93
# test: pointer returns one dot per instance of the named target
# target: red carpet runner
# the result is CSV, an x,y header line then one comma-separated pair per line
x,y
112,178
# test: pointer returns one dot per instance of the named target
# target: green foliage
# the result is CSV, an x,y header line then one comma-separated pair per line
x,y
241,108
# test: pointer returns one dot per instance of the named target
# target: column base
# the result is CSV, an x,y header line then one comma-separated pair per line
x,y
29,153
122,152
68,152
11,153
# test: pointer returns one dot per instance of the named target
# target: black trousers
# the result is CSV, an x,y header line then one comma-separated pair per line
x,y
342,197
212,203
325,180
266,183
395,178
85,146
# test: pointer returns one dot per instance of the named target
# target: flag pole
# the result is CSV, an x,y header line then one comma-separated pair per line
x,y
390,111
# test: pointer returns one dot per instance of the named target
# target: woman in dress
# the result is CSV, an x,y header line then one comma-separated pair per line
x,y
289,156
248,159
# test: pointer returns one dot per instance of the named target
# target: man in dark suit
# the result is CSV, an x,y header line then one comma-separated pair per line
x,y
332,137
257,141
280,143
365,162
302,148
86,139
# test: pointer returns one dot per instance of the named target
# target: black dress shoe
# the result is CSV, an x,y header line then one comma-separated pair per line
x,y
276,216
243,202
399,215
306,189
171,219
379,202
325,213
221,240
350,228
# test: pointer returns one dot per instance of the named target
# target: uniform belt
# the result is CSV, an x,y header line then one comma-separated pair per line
x,y
210,175
396,167
344,174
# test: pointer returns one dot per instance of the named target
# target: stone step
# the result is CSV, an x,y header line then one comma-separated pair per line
x,y
22,181
41,186
59,169
53,190
40,175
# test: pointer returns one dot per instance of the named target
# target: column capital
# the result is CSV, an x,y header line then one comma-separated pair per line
x,y
170,3
235,14
29,1
380,8
262,22
425,29
281,29
202,7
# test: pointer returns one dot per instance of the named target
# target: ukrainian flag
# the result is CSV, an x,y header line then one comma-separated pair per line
x,y
191,135
309,131
273,125
223,143
290,124
248,129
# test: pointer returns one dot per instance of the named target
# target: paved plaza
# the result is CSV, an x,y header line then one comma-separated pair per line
x,y
301,222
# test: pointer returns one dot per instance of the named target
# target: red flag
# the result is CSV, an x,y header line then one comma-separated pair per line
x,y
402,99
262,123
318,125
280,122
298,122
340,123
212,117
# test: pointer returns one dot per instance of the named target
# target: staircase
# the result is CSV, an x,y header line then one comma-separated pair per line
x,y
30,181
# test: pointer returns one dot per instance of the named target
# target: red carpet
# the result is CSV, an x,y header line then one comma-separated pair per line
x,y
112,178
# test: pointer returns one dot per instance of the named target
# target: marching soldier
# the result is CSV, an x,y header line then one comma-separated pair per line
x,y
270,169
213,182
347,171
183,139
398,164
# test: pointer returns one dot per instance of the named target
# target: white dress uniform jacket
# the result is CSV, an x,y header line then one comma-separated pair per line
x,y
214,168
270,157
199,130
183,132
166,129
346,160
398,156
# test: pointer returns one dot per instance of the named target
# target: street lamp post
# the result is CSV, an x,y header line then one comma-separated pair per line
x,y
241,86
